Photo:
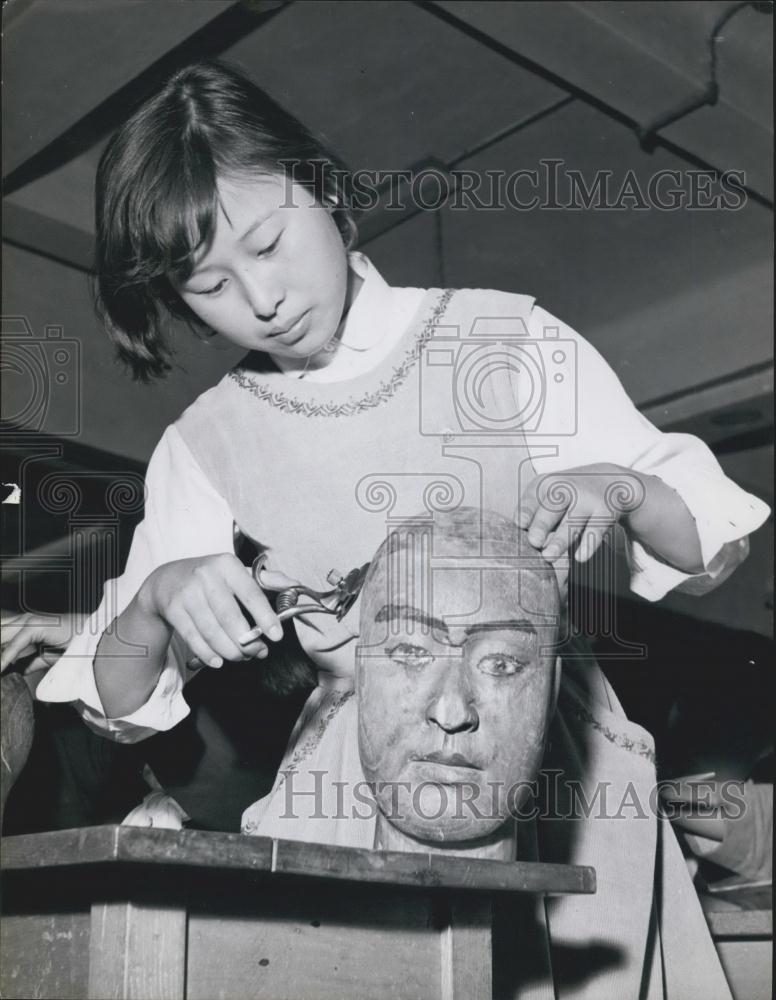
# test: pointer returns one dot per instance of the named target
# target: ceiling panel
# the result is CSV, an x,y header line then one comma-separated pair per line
x,y
406,255
388,83
653,61
392,86
632,281
62,59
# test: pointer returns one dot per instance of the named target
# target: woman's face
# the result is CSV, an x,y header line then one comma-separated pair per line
x,y
275,276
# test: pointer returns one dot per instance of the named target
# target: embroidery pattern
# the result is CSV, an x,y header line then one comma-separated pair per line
x,y
306,408
312,741
251,823
640,747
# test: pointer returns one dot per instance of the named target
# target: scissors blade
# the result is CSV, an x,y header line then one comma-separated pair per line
x,y
350,589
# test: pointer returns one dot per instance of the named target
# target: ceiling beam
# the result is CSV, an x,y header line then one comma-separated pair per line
x,y
734,408
643,63
72,72
396,205
30,230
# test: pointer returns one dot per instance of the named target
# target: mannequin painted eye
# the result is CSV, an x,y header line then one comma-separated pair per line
x,y
500,665
409,655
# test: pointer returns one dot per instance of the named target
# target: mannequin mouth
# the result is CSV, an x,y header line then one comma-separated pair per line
x,y
446,759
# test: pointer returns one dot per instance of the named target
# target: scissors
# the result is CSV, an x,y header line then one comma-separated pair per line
x,y
288,604
337,601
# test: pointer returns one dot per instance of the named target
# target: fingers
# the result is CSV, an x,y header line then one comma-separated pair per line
x,y
12,627
217,622
528,505
273,580
211,615
543,521
694,803
216,626
696,790
592,539
543,506
561,568
25,632
584,494
21,645
20,638
254,600
212,603
11,617
586,536
188,630
562,539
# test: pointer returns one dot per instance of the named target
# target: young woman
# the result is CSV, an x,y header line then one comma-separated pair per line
x,y
216,207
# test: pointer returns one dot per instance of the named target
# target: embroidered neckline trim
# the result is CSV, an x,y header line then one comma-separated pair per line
x,y
369,400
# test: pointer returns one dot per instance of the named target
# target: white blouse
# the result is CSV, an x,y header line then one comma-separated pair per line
x,y
186,517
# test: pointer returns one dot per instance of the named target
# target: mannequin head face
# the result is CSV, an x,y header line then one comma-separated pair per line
x,y
455,674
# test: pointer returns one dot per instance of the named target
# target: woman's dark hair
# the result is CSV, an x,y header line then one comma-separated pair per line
x,y
156,197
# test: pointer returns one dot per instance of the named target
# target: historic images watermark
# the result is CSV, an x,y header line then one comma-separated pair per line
x,y
498,394
84,510
549,185
46,373
550,796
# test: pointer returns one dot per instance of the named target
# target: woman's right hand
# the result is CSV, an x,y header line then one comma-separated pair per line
x,y
204,600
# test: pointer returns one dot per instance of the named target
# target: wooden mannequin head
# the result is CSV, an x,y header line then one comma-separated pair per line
x,y
455,679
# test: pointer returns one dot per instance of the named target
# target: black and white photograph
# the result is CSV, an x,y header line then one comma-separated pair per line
x,y
387,533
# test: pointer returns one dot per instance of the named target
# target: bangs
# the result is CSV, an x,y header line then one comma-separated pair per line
x,y
175,215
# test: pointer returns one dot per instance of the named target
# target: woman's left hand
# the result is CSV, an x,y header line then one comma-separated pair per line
x,y
578,507
40,638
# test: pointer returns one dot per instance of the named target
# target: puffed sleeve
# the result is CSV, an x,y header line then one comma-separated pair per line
x,y
184,517
604,426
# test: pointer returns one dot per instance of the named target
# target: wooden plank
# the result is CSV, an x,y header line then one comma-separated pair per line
x,y
203,849
137,951
740,923
44,955
748,967
466,950
197,848
315,940
83,846
430,870
103,844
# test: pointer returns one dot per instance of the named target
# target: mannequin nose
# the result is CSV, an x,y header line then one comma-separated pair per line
x,y
452,705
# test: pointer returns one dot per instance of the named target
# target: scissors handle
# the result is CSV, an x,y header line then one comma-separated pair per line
x,y
345,590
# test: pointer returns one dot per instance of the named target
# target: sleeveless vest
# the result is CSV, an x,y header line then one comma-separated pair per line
x,y
319,472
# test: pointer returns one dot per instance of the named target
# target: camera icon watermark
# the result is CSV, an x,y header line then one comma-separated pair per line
x,y
498,379
41,378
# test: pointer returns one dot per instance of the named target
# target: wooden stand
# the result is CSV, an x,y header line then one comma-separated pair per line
x,y
123,912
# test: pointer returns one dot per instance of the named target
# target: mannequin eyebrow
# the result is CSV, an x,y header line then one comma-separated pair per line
x,y
406,613
510,625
